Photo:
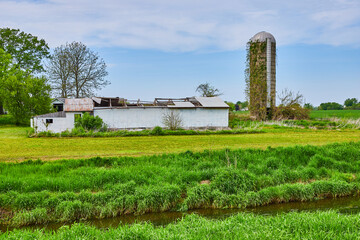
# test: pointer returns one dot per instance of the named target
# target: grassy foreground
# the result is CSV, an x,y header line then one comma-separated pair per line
x,y
319,225
37,192
16,146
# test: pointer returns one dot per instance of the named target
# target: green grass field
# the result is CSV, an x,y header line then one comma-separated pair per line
x,y
35,192
325,114
16,146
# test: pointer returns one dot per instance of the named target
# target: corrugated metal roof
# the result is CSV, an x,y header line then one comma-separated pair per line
x,y
79,105
212,102
181,105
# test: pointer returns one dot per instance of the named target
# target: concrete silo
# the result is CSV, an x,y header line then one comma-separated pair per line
x,y
262,75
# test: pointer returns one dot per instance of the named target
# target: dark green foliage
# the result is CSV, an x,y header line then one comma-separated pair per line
x,y
26,49
25,96
6,120
331,106
157,131
108,187
351,102
89,123
233,181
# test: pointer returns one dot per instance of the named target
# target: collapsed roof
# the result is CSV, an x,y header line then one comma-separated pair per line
x,y
89,104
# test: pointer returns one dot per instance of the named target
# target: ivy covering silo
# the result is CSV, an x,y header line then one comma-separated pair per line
x,y
261,75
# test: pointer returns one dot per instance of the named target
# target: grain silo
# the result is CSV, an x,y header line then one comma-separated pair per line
x,y
262,75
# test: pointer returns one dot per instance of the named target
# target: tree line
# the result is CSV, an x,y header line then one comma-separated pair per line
x,y
30,74
349,103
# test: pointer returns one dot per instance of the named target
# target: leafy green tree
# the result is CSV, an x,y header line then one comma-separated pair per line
x,y
6,69
27,50
25,96
331,106
231,105
350,102
206,90
308,106
242,105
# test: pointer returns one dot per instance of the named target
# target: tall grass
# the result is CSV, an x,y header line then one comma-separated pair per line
x,y
105,187
304,225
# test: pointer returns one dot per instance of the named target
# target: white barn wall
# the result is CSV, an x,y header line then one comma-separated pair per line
x,y
59,124
151,117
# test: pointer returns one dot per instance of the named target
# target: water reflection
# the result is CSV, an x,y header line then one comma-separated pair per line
x,y
347,205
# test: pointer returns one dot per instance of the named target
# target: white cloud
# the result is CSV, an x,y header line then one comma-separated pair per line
x,y
185,25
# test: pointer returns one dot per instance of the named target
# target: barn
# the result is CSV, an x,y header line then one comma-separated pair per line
x,y
120,113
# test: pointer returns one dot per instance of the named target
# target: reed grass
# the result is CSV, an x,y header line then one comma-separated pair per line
x,y
105,187
303,225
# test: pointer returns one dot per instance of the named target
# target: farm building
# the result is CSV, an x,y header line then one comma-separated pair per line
x,y
120,113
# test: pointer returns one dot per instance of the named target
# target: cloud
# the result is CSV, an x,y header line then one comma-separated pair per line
x,y
185,25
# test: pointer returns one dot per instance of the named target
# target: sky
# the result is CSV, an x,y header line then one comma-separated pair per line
x,y
166,48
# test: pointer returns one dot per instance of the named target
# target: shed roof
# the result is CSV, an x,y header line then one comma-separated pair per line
x,y
182,105
52,115
212,102
79,105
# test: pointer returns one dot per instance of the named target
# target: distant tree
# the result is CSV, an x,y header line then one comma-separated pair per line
x,y
350,102
308,106
27,50
331,106
242,105
206,90
76,71
25,96
231,105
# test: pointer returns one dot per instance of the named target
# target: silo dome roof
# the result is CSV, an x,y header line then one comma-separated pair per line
x,y
262,36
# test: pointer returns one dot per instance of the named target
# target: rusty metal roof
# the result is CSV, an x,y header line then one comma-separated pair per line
x,y
79,105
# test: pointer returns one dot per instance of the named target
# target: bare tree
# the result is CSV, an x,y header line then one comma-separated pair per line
x,y
77,71
206,90
172,120
59,73
289,98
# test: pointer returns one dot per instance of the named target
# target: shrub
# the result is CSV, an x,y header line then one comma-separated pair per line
x,y
294,111
89,122
157,131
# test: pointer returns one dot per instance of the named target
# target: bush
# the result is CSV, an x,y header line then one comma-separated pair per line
x,y
294,111
157,131
89,122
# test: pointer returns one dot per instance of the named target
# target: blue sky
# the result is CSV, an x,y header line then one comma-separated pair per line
x,y
161,48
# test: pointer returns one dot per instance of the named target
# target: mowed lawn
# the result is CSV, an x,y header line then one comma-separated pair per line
x,y
16,146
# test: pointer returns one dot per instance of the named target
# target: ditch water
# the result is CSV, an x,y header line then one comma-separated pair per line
x,y
346,205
